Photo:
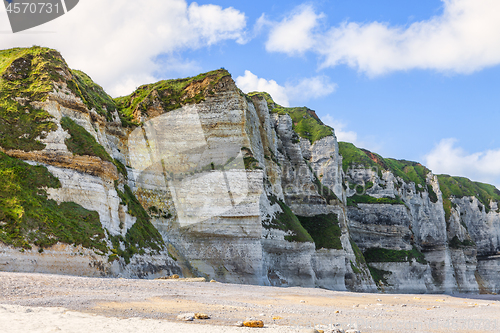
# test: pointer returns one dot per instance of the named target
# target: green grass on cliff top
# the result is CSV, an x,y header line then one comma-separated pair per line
x,y
305,121
28,75
409,171
171,94
28,217
460,187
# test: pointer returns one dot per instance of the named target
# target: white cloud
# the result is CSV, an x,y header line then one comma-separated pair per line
x,y
464,39
345,135
448,158
302,90
338,126
116,41
251,82
295,33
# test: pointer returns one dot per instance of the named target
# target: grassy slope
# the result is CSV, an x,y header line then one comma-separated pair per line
x,y
171,93
460,187
82,143
31,74
92,95
27,74
27,216
324,230
305,121
407,170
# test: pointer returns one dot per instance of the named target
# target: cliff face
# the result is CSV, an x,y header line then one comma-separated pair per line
x,y
194,177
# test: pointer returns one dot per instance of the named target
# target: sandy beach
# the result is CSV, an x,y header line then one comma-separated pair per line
x,y
52,303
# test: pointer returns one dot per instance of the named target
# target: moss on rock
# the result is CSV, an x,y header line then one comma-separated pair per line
x,y
142,235
305,121
26,76
288,222
29,218
388,255
324,230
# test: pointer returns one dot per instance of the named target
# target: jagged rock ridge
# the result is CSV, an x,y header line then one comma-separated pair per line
x,y
192,176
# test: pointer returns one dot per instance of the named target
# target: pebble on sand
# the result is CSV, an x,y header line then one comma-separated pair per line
x,y
201,316
253,323
186,317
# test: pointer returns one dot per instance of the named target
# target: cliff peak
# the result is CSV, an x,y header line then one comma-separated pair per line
x,y
151,100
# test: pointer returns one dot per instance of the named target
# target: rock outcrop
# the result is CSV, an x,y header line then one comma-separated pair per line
x,y
196,178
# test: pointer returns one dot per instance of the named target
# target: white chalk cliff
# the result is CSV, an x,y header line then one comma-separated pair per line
x,y
242,190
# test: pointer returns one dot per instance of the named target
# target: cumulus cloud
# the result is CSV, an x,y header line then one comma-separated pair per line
x,y
251,82
116,42
295,33
448,158
463,39
303,90
340,132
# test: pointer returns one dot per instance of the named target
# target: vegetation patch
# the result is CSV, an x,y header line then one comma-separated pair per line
x,y
171,94
324,230
82,142
28,217
360,259
251,163
410,172
386,255
305,121
460,187
92,94
355,269
26,75
142,235
455,243
287,221
432,195
378,276
354,200
352,156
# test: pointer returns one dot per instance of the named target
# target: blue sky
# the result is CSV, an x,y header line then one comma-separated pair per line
x,y
413,79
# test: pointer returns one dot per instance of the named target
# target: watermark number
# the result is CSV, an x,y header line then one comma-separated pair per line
x,y
33,8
